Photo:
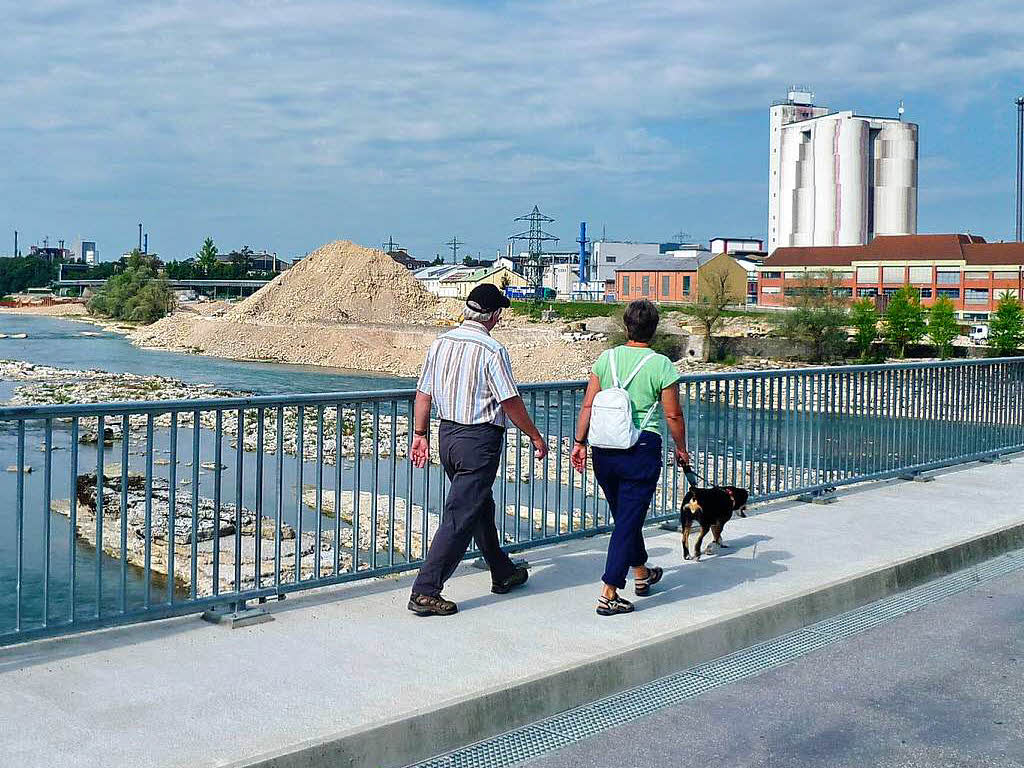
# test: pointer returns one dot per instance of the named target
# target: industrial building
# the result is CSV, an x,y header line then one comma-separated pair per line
x,y
678,279
972,273
838,178
607,255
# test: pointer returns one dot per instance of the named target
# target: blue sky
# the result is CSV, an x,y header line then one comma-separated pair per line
x,y
283,124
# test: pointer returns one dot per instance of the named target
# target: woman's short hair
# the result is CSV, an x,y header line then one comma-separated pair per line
x,y
641,320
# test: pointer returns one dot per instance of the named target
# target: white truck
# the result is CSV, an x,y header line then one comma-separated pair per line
x,y
978,334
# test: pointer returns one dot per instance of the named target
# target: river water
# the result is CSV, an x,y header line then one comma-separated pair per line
x,y
83,346
770,448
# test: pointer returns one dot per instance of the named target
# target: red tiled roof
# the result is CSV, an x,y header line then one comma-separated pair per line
x,y
970,248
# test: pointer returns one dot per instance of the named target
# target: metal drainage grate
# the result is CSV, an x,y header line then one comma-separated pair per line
x,y
577,724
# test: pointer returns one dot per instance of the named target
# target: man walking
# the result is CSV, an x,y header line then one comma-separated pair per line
x,y
468,377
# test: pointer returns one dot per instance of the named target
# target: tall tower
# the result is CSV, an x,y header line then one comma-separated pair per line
x,y
837,178
799,105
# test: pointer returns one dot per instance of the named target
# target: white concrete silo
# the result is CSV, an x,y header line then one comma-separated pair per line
x,y
895,179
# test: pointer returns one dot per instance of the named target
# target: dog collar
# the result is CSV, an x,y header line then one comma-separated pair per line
x,y
732,499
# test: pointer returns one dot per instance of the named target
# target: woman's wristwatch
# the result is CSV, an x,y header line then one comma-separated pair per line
x,y
418,433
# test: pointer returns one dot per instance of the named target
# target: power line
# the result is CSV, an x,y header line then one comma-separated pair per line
x,y
535,237
454,244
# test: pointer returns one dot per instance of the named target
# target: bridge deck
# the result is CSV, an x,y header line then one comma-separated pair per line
x,y
183,692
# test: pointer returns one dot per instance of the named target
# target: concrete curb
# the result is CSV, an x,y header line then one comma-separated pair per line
x,y
420,735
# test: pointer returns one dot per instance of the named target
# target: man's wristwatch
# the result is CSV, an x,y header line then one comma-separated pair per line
x,y
418,433
580,442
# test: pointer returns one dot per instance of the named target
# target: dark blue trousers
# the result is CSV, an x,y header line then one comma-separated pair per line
x,y
628,479
470,455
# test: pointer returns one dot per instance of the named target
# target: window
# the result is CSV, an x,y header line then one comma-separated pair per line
x,y
645,284
842,293
975,275
686,283
665,279
609,260
1006,275
794,275
893,275
890,291
842,274
1011,291
625,285
926,293
950,293
920,274
771,290
867,275
790,292
867,293
771,275
947,277
976,296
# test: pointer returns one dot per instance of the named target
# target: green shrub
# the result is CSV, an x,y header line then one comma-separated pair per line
x,y
904,321
136,294
1006,328
942,326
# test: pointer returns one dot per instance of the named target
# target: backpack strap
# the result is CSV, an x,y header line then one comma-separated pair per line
x,y
650,413
611,363
636,370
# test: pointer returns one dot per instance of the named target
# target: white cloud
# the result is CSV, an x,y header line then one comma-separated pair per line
x,y
326,95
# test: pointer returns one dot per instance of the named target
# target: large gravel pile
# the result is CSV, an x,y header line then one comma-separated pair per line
x,y
340,282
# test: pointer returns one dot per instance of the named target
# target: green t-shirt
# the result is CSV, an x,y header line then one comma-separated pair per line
x,y
645,389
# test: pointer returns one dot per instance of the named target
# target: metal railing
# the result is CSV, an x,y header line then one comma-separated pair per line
x,y
125,511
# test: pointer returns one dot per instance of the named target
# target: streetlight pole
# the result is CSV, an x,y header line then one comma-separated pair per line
x,y
1020,161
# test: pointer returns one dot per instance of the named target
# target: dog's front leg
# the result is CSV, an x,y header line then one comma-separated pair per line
x,y
717,530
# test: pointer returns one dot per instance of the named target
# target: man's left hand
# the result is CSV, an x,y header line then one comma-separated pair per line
x,y
420,452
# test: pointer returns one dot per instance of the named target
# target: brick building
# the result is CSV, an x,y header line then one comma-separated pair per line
x,y
677,279
971,272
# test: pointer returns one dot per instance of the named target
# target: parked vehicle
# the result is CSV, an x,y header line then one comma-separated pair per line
x,y
978,334
528,293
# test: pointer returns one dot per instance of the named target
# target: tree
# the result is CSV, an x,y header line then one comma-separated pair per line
x,y
942,326
904,321
818,318
206,259
1006,328
710,306
240,263
437,262
864,319
21,272
136,294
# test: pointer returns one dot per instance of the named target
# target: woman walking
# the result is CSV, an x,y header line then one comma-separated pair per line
x,y
628,473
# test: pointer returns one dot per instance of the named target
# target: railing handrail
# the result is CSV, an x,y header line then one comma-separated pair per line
x,y
380,395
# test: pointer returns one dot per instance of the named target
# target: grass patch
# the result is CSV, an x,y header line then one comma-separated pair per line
x,y
566,310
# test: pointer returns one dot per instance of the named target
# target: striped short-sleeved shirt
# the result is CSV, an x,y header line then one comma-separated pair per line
x,y
468,375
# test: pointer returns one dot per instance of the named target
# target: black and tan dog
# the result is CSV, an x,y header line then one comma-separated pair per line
x,y
711,508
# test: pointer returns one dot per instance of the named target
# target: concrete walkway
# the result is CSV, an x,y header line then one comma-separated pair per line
x,y
347,676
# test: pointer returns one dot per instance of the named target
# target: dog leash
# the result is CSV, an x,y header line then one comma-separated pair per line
x,y
691,476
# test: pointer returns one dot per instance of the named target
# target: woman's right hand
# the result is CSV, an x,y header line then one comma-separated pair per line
x,y
578,457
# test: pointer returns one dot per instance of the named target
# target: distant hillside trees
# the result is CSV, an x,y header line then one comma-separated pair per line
x,y
136,294
21,272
